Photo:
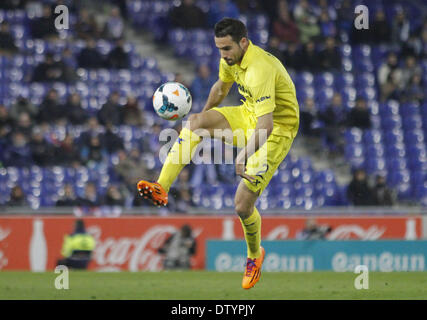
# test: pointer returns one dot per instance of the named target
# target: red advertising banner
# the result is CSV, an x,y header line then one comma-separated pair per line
x,y
131,243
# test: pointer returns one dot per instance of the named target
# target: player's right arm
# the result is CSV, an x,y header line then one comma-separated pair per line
x,y
221,88
218,92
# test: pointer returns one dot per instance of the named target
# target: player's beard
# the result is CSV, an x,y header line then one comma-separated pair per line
x,y
234,61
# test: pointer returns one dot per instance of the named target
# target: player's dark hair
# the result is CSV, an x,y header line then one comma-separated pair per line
x,y
231,27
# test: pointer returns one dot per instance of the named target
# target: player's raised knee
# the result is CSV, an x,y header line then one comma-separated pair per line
x,y
243,209
194,121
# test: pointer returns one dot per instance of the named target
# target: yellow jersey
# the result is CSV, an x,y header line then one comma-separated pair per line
x,y
266,86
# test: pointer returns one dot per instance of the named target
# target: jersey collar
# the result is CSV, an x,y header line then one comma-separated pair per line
x,y
248,56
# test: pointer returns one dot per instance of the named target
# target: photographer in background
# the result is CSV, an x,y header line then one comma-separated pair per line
x,y
313,231
178,249
77,248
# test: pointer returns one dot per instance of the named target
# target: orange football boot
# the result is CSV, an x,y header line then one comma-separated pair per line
x,y
253,270
154,192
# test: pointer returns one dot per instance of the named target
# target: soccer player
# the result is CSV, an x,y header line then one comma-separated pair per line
x,y
269,118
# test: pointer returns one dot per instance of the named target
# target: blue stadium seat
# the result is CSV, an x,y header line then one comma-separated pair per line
x,y
397,177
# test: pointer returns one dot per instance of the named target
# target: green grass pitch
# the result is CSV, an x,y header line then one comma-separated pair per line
x,y
203,285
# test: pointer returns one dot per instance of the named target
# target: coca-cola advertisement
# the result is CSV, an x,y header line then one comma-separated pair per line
x,y
132,243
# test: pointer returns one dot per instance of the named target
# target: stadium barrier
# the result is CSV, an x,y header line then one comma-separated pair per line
x,y
131,242
319,255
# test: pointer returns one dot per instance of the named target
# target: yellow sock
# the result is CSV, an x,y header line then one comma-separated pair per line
x,y
252,230
179,156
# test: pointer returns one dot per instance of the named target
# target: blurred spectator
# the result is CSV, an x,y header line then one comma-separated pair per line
x,y
359,116
222,9
345,16
6,122
44,27
93,153
68,57
414,46
180,78
17,198
42,152
327,26
323,6
89,57
414,91
188,16
424,42
51,71
113,197
75,114
77,248
285,28
110,140
389,78
114,27
306,21
313,231
334,117
69,60
272,7
310,125
67,153
118,58
50,109
22,105
181,192
409,70
24,124
93,128
380,30
202,83
90,197
17,152
131,112
309,58
400,28
303,9
122,5
330,56
111,111
12,4
249,6
68,199
383,196
358,192
274,48
178,249
7,41
153,142
86,26
132,166
291,57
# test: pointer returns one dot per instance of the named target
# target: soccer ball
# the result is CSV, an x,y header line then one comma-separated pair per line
x,y
172,101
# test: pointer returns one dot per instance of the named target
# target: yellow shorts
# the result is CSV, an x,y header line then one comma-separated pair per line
x,y
263,163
